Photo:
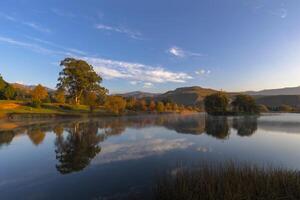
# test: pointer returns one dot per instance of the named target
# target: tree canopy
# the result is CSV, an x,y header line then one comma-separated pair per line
x,y
79,78
245,104
216,103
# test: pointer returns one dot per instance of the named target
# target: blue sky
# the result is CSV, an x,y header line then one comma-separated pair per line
x,y
154,45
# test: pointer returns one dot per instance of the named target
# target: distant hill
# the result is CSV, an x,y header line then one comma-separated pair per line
x,y
139,94
27,88
187,95
273,92
278,100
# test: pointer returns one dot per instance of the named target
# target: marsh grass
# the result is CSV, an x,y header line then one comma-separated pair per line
x,y
229,182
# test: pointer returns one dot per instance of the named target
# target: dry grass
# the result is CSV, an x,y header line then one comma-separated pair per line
x,y
229,182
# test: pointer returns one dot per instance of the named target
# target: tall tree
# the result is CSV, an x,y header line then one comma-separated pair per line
x,y
78,77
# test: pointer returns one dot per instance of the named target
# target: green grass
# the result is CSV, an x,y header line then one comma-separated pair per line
x,y
229,182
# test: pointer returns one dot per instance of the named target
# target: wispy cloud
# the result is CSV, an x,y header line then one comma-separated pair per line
x,y
126,31
180,53
48,43
35,47
37,27
136,72
29,24
282,12
62,13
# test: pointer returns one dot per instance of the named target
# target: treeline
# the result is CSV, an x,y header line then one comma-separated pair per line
x,y
118,105
220,104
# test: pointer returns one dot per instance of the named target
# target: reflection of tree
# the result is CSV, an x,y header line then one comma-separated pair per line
x,y
77,150
186,125
245,126
36,136
6,137
217,127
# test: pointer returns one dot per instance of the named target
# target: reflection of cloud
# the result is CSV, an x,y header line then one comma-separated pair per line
x,y
139,149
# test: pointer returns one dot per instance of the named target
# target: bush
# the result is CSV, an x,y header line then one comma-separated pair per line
x,y
216,104
244,104
36,103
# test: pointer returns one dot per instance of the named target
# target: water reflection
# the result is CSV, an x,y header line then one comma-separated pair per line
x,y
245,126
76,151
77,143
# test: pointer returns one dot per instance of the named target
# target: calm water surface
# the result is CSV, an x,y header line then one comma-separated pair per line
x,y
120,158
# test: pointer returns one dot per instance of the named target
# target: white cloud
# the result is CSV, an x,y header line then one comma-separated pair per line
x,y
148,85
135,71
133,82
180,53
128,32
202,72
175,51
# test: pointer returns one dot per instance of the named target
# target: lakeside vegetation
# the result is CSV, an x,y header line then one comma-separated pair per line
x,y
229,182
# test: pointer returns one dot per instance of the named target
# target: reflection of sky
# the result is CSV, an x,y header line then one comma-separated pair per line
x,y
132,157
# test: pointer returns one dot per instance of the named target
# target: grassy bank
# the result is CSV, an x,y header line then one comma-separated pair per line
x,y
229,182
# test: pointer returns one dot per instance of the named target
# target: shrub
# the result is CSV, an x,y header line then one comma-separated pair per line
x,y
216,103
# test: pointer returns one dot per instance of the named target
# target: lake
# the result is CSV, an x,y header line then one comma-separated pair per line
x,y
120,158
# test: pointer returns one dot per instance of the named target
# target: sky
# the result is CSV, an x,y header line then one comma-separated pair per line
x,y
154,46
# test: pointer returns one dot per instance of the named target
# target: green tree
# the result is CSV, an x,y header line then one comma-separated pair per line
x,y
78,77
115,104
160,107
244,104
9,92
216,103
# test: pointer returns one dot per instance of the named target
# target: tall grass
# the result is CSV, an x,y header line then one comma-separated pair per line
x,y
229,182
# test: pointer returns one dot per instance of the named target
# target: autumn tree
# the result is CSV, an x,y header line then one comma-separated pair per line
x,y
38,94
152,106
79,78
160,107
131,103
115,104
59,96
91,100
216,103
